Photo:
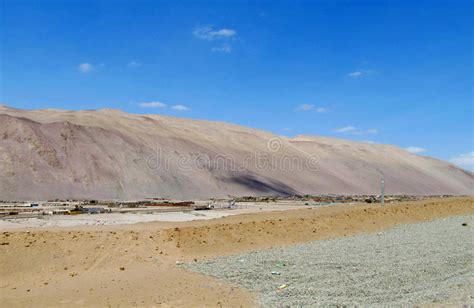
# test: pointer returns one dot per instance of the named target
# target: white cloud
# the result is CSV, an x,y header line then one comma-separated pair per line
x,y
223,48
355,131
359,73
180,108
224,33
209,33
85,68
464,160
345,129
152,105
355,74
415,150
134,64
305,107
163,105
309,107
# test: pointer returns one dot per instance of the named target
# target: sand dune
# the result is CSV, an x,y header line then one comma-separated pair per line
x,y
111,154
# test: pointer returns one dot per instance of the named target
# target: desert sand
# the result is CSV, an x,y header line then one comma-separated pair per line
x,y
124,265
109,154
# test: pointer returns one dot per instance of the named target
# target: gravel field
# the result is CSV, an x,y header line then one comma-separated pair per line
x,y
422,263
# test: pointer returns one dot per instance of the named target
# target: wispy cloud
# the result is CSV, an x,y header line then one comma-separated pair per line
x,y
305,107
355,74
180,108
85,68
355,131
464,160
161,105
223,48
152,105
371,131
309,107
415,150
322,110
360,73
344,129
209,33
134,64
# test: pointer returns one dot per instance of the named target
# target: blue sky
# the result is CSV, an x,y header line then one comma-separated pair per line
x,y
397,72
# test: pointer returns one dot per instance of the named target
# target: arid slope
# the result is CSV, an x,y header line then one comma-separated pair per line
x,y
111,154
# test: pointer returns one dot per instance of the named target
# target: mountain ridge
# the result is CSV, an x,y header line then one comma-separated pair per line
x,y
111,154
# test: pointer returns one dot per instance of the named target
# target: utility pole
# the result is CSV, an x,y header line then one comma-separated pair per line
x,y
382,194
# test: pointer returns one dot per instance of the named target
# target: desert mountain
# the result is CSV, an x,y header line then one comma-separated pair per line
x,y
109,154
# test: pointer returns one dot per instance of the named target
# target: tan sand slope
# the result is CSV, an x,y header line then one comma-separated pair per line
x,y
135,264
111,154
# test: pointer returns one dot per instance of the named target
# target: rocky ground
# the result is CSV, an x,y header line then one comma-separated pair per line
x,y
424,263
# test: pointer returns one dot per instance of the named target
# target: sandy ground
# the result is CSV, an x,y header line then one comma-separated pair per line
x,y
125,265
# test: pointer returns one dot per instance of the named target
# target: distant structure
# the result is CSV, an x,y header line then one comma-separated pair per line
x,y
382,193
